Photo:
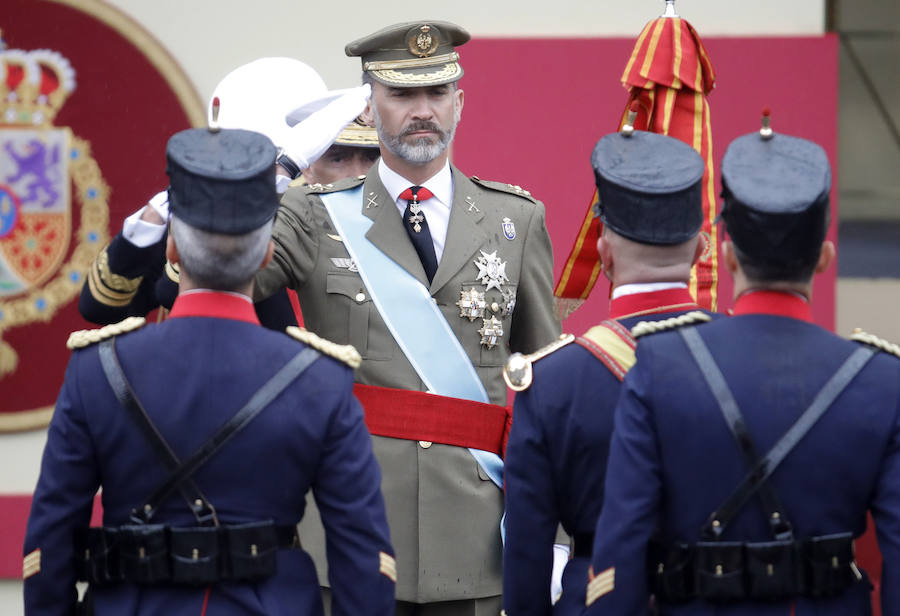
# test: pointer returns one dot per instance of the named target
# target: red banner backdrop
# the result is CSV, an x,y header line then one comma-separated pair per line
x,y
104,147
535,108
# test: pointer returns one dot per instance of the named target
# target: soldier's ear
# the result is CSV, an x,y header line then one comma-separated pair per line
x,y
702,242
458,107
826,256
729,256
368,116
269,252
171,250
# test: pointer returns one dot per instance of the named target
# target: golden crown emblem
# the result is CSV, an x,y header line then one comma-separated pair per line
x,y
33,85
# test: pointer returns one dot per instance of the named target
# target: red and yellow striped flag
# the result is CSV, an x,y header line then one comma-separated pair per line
x,y
670,75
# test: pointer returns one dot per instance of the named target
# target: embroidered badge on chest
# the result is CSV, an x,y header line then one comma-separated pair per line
x,y
509,229
344,263
491,270
471,303
491,331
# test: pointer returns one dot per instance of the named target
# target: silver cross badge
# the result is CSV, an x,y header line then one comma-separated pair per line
x,y
471,303
491,270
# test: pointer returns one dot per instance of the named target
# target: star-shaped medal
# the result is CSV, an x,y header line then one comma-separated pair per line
x,y
491,270
471,303
491,331
509,302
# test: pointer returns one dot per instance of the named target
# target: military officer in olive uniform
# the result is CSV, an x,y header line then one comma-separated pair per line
x,y
752,447
203,484
434,277
651,208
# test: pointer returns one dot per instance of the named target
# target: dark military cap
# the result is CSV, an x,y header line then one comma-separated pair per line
x,y
649,187
222,182
776,197
412,54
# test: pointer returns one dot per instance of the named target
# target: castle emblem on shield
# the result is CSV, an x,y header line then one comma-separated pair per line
x,y
45,248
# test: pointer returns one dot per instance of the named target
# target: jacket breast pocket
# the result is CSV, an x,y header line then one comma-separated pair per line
x,y
365,329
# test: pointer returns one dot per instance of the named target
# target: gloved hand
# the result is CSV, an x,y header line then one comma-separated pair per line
x,y
159,203
147,226
307,141
560,558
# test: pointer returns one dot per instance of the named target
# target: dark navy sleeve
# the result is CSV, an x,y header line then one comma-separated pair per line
x,y
531,512
121,281
276,312
68,481
630,512
886,513
347,490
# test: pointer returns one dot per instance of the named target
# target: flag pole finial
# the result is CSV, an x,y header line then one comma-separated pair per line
x,y
670,9
766,131
628,127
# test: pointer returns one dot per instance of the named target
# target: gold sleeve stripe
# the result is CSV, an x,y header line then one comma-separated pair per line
x,y
105,294
115,282
601,584
388,566
31,564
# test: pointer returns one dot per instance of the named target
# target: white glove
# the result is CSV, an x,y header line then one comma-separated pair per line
x,y
560,559
308,140
142,233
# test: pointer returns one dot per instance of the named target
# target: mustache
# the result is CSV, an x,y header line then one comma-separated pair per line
x,y
422,125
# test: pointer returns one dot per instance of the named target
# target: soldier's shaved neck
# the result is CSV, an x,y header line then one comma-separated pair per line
x,y
629,262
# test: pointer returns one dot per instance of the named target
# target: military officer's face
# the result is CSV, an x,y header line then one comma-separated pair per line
x,y
416,124
340,161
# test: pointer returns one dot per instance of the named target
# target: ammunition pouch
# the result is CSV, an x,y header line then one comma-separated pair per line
x,y
722,572
153,554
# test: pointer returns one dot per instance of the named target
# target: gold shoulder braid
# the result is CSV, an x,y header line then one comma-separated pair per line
x,y
342,184
502,187
517,371
86,337
874,341
343,352
651,327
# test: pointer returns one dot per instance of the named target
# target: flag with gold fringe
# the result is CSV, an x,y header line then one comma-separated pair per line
x,y
670,76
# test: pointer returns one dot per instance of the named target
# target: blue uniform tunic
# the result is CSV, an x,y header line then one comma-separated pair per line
x,y
192,373
556,460
673,461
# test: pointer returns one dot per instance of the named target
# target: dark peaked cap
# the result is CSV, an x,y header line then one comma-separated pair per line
x,y
776,197
649,187
222,182
412,54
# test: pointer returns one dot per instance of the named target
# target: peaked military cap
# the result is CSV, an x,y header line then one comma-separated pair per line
x,y
412,54
649,187
222,182
776,197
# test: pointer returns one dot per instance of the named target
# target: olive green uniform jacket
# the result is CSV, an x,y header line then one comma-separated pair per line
x,y
443,510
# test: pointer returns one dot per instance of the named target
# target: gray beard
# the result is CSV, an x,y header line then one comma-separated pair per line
x,y
420,151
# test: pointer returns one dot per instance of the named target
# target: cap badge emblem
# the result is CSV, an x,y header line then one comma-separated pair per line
x,y
509,229
491,270
423,41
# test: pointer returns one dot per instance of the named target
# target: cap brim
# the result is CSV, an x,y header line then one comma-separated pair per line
x,y
310,107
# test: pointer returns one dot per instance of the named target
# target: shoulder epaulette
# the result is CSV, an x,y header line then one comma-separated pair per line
x,y
651,327
503,187
612,344
343,352
86,337
517,371
342,184
881,344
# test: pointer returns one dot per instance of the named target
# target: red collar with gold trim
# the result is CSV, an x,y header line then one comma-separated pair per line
x,y
776,303
652,302
214,304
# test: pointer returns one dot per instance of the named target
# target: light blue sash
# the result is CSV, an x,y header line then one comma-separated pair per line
x,y
435,355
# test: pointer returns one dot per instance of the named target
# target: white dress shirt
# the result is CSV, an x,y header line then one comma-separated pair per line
x,y
645,287
436,209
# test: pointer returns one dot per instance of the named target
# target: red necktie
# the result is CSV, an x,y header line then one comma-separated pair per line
x,y
417,227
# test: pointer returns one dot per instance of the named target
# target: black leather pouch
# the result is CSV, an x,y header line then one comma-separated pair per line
x,y
719,571
96,558
771,570
827,564
195,555
252,550
143,553
671,572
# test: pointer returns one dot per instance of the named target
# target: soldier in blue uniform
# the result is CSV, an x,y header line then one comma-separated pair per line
x,y
747,451
203,484
651,207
